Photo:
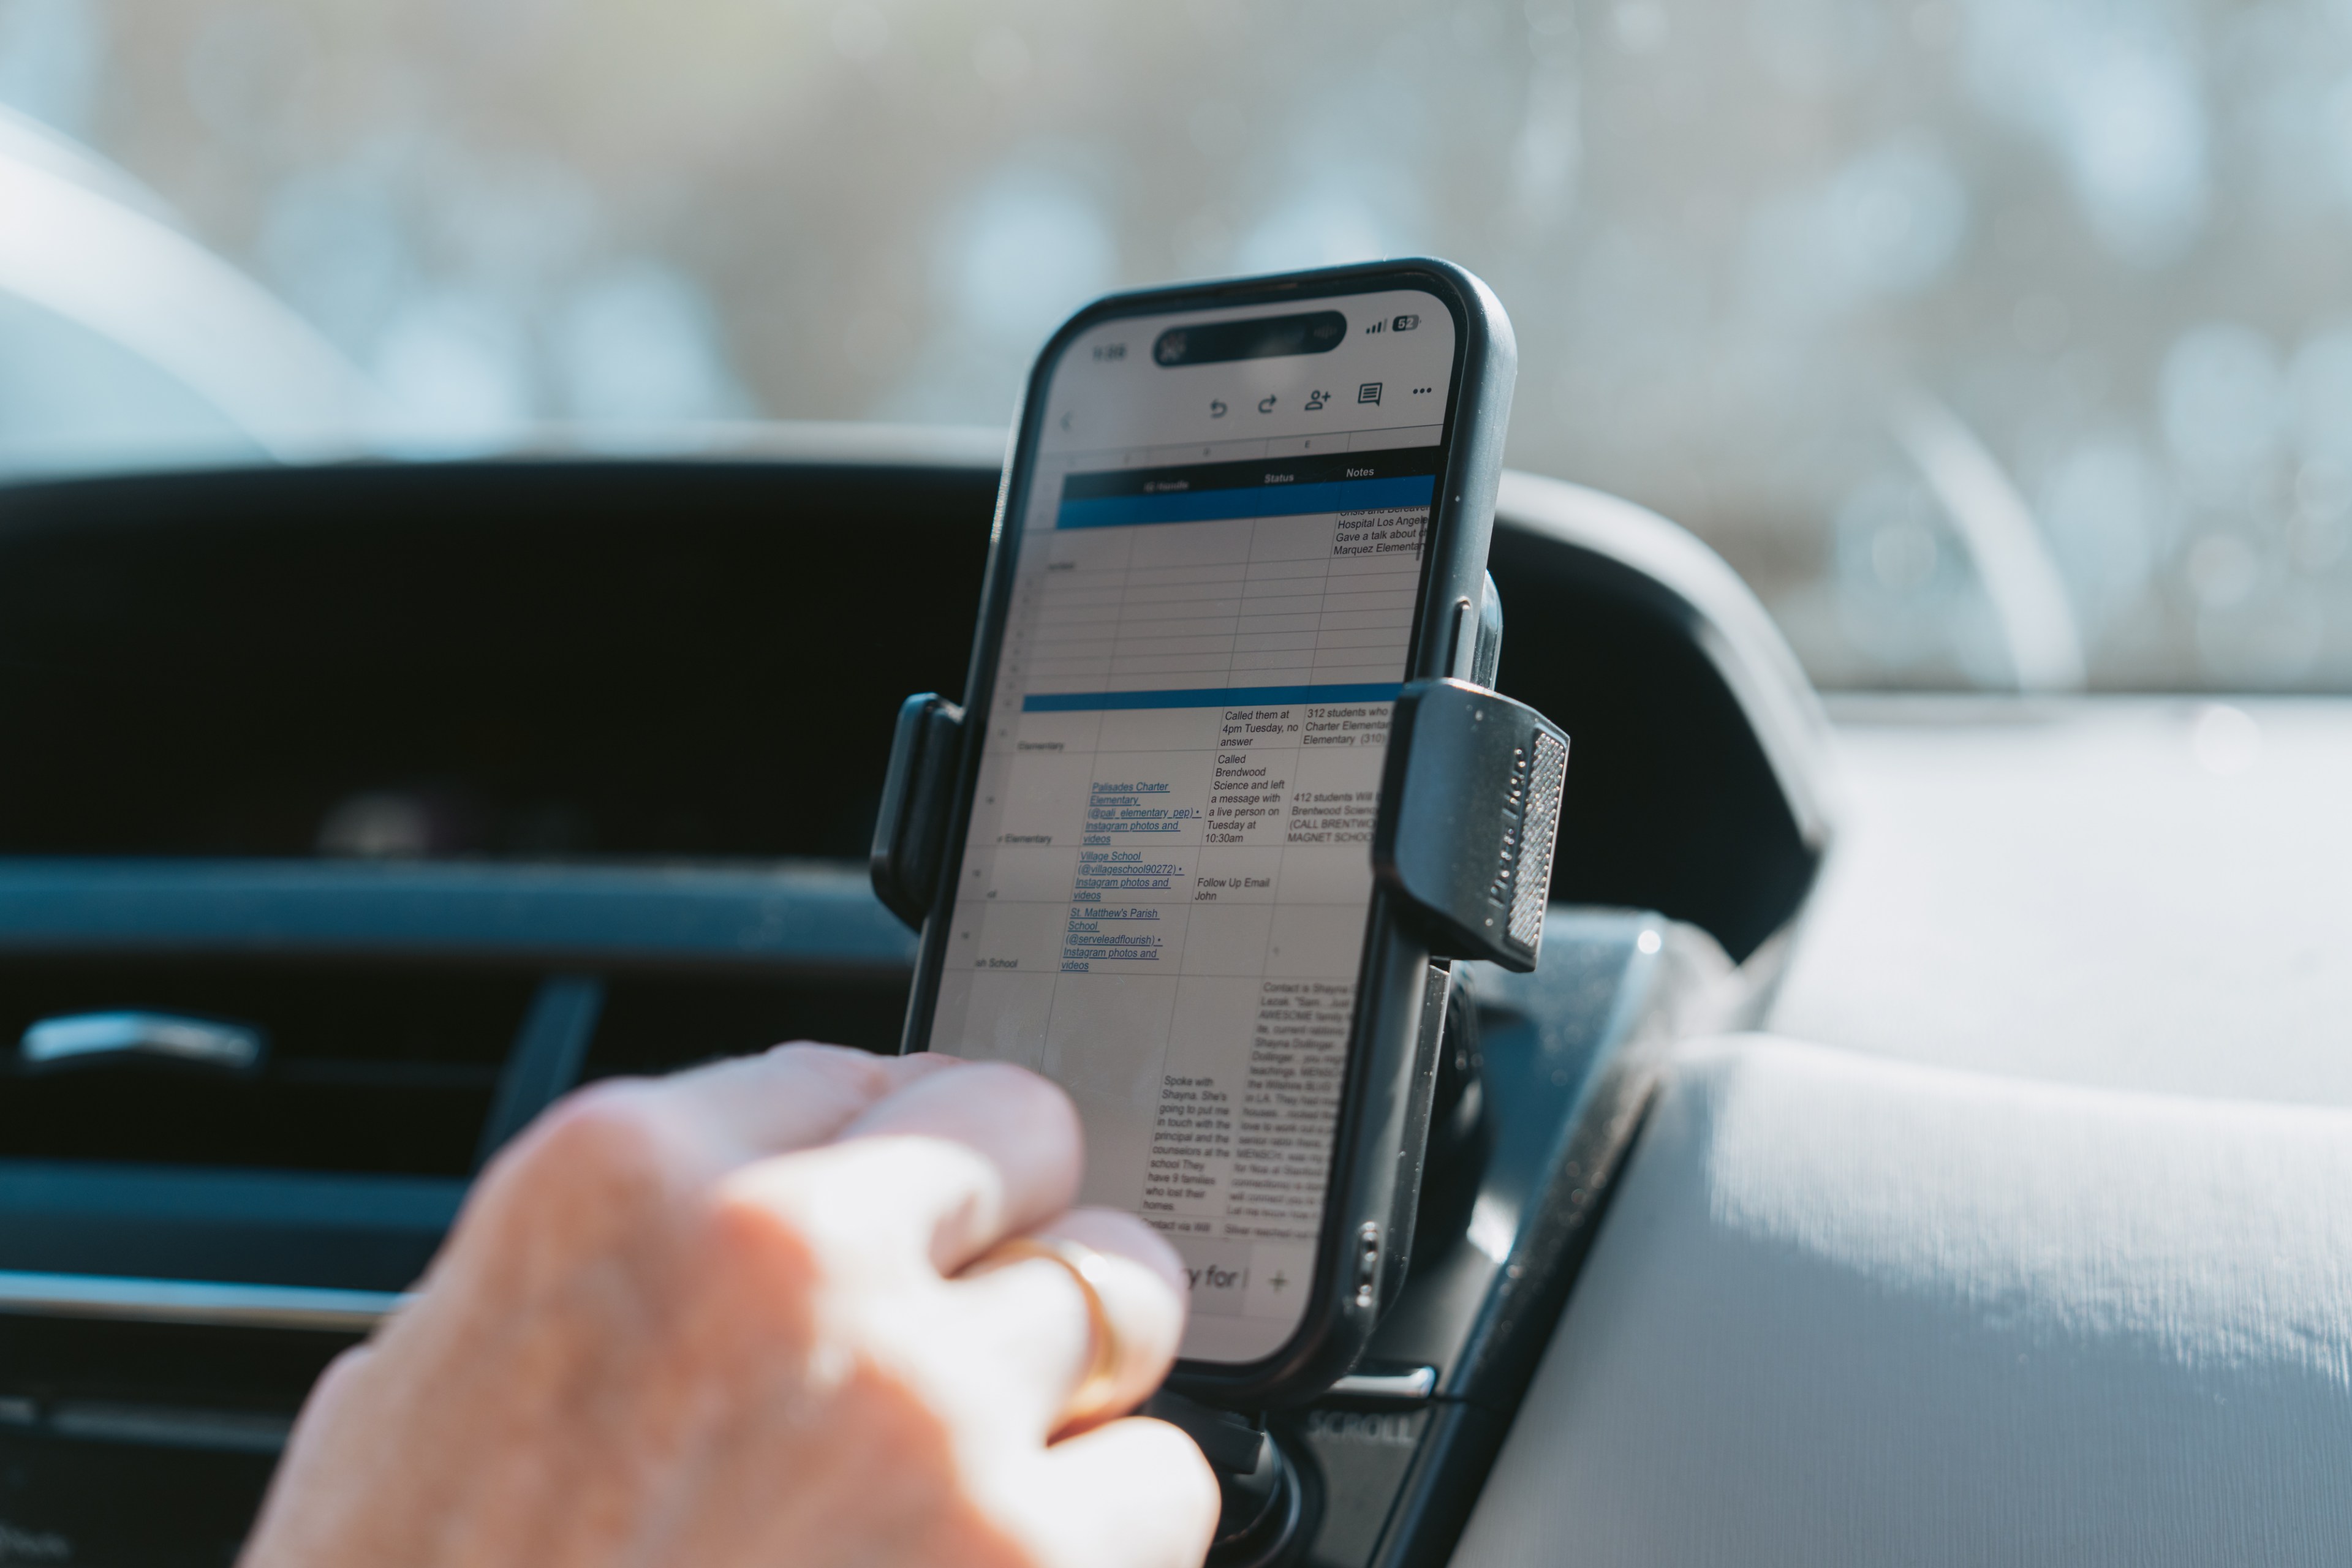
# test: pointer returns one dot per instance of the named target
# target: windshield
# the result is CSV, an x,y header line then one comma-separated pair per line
x,y
1995,342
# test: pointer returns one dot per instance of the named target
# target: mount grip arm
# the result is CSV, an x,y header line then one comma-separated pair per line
x,y
911,831
1469,813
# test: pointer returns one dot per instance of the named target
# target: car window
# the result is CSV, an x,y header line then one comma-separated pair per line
x,y
1996,342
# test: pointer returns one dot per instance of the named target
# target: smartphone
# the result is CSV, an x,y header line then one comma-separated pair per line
x,y
1234,519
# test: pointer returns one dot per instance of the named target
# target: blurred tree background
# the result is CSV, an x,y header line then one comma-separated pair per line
x,y
1898,305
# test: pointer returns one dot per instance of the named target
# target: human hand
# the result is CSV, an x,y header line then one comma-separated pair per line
x,y
715,1318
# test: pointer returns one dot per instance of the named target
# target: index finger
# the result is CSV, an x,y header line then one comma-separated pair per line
x,y
968,1153
1023,1128
789,1097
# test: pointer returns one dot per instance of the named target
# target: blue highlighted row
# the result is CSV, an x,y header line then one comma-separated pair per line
x,y
1256,501
1210,696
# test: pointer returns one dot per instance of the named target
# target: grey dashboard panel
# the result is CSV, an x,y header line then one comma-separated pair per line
x,y
2135,892
1847,1310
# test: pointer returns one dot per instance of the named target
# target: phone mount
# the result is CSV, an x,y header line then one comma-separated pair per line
x,y
1462,846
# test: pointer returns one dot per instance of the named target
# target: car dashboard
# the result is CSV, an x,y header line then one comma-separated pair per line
x,y
449,787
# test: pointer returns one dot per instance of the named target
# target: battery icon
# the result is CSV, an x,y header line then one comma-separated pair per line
x,y
1404,323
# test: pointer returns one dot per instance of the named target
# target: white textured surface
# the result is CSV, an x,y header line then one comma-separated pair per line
x,y
2125,892
1848,1311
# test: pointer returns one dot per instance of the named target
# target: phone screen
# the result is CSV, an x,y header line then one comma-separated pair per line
x,y
1163,892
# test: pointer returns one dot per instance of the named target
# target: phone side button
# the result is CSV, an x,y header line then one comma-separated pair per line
x,y
1368,1264
1414,1383
1461,646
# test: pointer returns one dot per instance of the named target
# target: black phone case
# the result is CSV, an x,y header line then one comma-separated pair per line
x,y
1360,1255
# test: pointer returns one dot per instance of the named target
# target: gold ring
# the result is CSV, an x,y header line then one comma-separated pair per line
x,y
1094,1396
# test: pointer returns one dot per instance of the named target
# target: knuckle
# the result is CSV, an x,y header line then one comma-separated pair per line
x,y
602,1152
1011,1075
757,1275
744,1229
1024,1093
607,1132
855,1078
859,1068
335,1385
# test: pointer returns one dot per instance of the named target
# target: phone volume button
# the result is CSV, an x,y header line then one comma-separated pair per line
x,y
1367,1265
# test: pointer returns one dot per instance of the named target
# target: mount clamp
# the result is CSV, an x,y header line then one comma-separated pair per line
x,y
1470,802
911,829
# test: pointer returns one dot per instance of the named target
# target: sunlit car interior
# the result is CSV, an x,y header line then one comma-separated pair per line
x,y
444,452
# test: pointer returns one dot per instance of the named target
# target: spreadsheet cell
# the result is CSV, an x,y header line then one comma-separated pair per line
x,y
1288,600
1233,571
1181,594
1191,544
1177,626
1355,620
1265,582
1278,570
1094,588
1370,637
1346,600
1188,644
1174,664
